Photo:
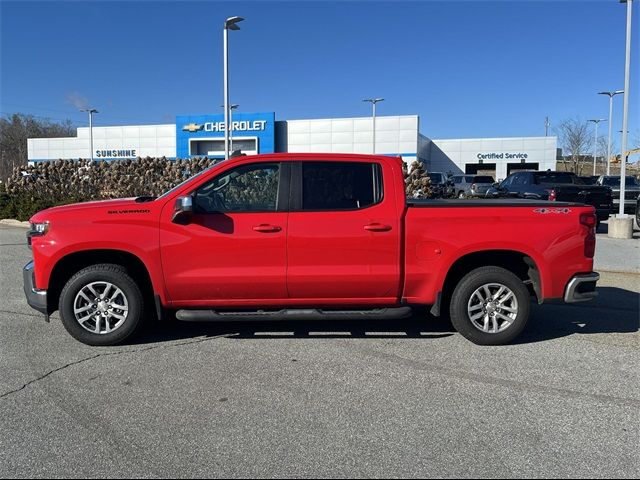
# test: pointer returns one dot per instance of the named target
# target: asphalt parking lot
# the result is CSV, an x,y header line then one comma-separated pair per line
x,y
389,399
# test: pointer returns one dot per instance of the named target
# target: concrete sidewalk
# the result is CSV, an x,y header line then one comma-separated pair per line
x,y
617,255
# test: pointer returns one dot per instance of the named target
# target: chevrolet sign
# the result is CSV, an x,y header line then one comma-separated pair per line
x,y
192,127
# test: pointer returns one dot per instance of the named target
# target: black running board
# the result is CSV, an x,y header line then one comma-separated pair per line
x,y
287,314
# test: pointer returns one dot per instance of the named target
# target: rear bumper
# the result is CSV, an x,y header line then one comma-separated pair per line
x,y
581,288
37,299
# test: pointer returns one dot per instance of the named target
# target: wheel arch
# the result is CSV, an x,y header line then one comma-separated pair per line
x,y
520,263
72,263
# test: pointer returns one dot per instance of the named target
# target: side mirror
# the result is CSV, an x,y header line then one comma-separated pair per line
x,y
183,210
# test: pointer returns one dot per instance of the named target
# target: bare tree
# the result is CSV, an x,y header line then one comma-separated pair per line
x,y
576,139
16,129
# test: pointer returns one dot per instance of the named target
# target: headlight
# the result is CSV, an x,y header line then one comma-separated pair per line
x,y
38,229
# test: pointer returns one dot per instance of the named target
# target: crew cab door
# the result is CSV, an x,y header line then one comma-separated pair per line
x,y
344,234
234,247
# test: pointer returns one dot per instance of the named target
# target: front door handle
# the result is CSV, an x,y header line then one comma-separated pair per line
x,y
266,228
377,227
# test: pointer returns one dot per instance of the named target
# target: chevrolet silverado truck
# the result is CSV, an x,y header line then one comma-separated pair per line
x,y
306,236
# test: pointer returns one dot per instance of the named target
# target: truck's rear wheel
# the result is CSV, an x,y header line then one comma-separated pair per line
x,y
490,306
101,305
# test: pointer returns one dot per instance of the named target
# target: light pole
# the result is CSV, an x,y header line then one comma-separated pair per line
x,y
373,102
546,126
625,108
232,107
230,23
595,144
611,95
90,111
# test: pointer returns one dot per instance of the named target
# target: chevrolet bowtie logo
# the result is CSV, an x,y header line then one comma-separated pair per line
x,y
192,127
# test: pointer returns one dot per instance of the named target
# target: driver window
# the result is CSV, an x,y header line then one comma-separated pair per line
x,y
249,188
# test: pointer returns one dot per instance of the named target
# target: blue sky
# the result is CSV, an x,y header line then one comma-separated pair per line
x,y
469,69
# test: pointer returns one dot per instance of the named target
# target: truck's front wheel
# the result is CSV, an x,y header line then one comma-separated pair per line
x,y
101,305
490,306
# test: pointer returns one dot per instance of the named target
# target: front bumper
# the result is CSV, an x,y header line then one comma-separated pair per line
x,y
37,299
581,288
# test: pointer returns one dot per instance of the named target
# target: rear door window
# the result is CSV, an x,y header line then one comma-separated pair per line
x,y
340,185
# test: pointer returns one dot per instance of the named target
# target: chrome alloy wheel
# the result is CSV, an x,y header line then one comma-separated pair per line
x,y
100,307
492,308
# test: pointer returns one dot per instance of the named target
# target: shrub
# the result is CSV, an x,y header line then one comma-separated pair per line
x,y
48,184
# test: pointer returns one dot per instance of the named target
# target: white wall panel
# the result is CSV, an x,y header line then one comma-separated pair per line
x,y
409,122
342,147
341,138
342,125
387,136
365,148
362,124
323,137
299,126
363,137
388,123
320,147
319,126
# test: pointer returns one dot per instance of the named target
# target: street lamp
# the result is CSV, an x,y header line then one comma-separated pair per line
x,y
230,23
611,95
232,107
625,108
373,102
90,111
595,144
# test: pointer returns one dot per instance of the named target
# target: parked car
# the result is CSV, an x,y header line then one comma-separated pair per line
x,y
555,186
440,185
305,236
589,179
471,185
631,191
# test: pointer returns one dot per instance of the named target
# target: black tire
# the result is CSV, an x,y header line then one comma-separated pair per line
x,y
116,275
475,279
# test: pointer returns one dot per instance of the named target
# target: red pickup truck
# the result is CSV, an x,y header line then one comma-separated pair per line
x,y
300,236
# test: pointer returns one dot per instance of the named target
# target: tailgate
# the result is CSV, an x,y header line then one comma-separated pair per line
x,y
596,196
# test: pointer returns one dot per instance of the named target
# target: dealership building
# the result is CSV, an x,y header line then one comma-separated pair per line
x,y
253,133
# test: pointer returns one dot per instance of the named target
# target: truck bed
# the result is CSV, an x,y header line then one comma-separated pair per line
x,y
487,202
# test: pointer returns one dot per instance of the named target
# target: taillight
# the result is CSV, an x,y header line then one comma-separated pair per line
x,y
552,195
590,221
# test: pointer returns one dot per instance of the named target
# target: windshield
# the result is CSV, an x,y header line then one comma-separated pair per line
x,y
615,181
435,177
169,192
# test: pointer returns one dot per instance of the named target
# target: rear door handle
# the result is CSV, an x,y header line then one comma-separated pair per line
x,y
377,227
266,228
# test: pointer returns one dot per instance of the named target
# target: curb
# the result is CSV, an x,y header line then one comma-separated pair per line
x,y
10,222
624,272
